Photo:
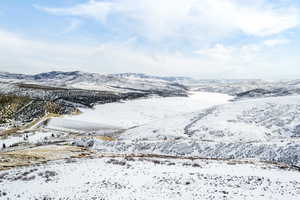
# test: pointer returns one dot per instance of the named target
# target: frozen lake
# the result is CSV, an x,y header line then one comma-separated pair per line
x,y
141,111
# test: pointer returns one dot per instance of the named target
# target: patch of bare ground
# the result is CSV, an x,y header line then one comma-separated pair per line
x,y
98,137
39,155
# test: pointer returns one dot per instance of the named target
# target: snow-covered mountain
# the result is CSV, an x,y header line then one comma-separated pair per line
x,y
177,79
128,82
94,81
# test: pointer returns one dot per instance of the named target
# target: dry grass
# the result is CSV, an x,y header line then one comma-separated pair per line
x,y
40,154
12,99
9,131
76,112
8,161
48,152
9,105
105,138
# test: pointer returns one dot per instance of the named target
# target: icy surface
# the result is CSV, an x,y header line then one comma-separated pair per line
x,y
77,126
142,111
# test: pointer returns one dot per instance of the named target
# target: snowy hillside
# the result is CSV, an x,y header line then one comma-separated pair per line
x,y
249,88
134,82
265,129
94,81
250,120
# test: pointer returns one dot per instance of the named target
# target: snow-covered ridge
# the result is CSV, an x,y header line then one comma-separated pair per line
x,y
247,88
128,82
94,81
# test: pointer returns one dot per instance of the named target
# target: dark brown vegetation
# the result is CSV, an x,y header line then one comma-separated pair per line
x,y
11,104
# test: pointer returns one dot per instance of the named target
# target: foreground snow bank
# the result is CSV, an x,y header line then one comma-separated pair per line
x,y
146,178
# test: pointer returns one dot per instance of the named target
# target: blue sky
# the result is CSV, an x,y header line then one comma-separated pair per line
x,y
199,38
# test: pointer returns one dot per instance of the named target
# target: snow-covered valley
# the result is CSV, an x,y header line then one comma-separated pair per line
x,y
199,145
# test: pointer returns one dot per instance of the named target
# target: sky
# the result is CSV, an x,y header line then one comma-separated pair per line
x,y
197,38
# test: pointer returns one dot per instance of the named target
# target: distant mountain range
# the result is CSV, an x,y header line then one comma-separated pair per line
x,y
94,76
179,79
128,82
94,81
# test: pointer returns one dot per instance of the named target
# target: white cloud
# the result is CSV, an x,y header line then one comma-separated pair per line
x,y
217,52
73,25
244,56
275,42
231,55
93,9
197,21
247,61
24,55
190,19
